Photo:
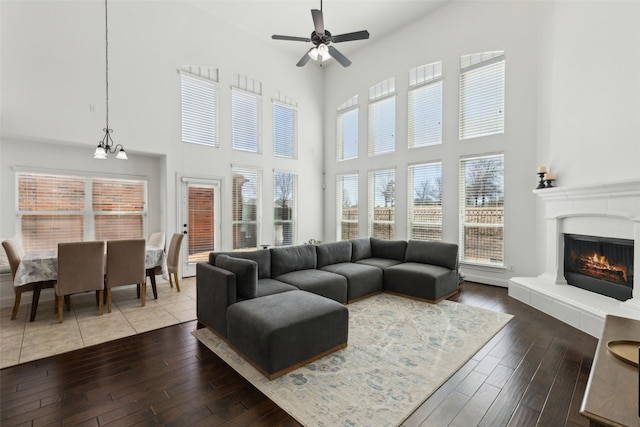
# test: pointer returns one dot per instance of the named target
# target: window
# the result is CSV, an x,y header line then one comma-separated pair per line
x,y
284,208
246,207
482,94
285,130
425,201
347,206
245,121
382,201
382,117
425,105
482,210
347,127
199,110
65,208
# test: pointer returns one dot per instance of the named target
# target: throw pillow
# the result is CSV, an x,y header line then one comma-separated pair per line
x,y
246,272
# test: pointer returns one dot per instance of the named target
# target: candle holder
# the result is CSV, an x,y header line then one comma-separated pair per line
x,y
549,183
541,184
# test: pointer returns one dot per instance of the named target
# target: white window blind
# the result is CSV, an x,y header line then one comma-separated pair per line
x,y
246,202
284,208
382,201
425,105
199,110
382,117
425,201
347,206
246,121
482,210
347,138
285,130
55,209
482,89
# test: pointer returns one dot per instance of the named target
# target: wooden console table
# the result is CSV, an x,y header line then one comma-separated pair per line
x,y
611,397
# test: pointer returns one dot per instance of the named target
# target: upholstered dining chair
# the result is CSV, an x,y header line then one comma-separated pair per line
x,y
157,239
13,256
80,269
125,266
173,261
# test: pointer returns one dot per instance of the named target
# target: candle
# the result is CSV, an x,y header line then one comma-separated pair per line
x,y
549,176
542,169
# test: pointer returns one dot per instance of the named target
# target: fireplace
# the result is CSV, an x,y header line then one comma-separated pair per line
x,y
601,265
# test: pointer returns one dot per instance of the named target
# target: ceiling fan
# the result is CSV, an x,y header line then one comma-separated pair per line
x,y
322,39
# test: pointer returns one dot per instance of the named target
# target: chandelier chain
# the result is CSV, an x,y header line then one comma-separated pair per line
x,y
106,57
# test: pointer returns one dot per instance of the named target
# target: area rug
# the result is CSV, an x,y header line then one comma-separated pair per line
x,y
399,352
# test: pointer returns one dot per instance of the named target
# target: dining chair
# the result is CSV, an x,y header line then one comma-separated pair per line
x,y
125,266
80,269
13,256
157,239
173,261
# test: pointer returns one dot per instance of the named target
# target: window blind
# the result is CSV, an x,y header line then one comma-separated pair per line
x,y
61,208
382,126
425,201
245,121
382,199
199,111
482,90
285,130
347,206
347,127
284,208
425,115
482,209
201,221
246,202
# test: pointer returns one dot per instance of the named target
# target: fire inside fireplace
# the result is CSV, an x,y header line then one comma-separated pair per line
x,y
601,265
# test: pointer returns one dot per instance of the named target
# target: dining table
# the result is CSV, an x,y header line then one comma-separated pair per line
x,y
39,266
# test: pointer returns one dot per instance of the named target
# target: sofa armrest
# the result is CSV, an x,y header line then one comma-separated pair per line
x,y
216,290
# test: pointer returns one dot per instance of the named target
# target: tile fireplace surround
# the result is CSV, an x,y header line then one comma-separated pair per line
x,y
605,210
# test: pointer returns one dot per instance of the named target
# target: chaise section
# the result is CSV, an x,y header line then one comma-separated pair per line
x,y
279,333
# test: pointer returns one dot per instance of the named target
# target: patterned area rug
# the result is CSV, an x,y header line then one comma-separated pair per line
x,y
399,352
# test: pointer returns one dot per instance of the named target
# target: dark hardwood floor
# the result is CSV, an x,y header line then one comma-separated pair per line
x,y
533,372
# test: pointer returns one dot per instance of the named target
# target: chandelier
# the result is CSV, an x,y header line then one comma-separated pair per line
x,y
106,145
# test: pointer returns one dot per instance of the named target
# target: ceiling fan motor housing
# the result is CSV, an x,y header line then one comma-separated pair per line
x,y
318,39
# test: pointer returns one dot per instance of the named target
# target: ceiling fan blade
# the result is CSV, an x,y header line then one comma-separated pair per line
x,y
291,38
304,59
358,35
318,21
339,57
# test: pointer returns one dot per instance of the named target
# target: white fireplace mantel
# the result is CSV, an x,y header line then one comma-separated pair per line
x,y
607,210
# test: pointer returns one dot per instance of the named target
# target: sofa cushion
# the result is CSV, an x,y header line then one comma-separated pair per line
x,y
246,272
272,286
333,253
423,281
391,249
262,257
362,280
435,253
319,282
360,249
381,263
292,258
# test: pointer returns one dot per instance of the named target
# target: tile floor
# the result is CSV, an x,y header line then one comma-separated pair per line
x,y
23,341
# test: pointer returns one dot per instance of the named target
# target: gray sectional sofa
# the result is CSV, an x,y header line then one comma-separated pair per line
x,y
283,307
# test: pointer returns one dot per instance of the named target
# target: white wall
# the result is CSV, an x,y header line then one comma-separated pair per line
x,y
52,77
456,29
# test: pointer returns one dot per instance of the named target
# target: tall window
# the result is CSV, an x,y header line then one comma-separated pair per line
x,y
482,94
65,208
285,130
284,208
382,202
246,207
425,105
347,127
425,201
200,108
382,117
347,206
482,209
246,121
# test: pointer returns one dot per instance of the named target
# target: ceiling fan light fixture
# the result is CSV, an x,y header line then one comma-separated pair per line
x,y
323,51
313,54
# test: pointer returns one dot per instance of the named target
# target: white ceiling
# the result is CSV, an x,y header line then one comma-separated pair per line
x,y
263,18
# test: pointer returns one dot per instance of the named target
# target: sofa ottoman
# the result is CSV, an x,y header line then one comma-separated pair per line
x,y
279,333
